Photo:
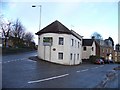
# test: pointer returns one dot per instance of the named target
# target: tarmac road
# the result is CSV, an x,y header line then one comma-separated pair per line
x,y
20,72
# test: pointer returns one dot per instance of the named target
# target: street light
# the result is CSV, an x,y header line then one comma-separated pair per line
x,y
40,14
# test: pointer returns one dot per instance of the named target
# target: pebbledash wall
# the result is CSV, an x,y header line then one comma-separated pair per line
x,y
67,52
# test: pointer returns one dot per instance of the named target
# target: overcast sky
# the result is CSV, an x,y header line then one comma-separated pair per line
x,y
82,16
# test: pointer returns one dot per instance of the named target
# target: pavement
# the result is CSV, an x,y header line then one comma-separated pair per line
x,y
20,71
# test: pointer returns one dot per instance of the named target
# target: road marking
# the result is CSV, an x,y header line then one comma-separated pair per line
x,y
23,58
19,60
48,78
84,70
101,66
31,60
78,71
94,68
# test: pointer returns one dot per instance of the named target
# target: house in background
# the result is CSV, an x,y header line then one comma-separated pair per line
x,y
106,49
97,47
117,53
58,44
89,47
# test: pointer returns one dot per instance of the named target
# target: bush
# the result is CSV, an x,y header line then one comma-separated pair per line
x,y
15,50
118,62
93,58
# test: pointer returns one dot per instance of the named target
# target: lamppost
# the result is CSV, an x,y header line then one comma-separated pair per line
x,y
40,14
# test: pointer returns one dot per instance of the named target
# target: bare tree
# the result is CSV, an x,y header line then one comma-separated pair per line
x,y
5,28
18,32
18,29
28,38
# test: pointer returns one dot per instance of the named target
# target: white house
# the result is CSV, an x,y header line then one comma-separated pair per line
x,y
88,48
58,44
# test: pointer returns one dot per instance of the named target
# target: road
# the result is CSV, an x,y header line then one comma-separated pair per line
x,y
20,72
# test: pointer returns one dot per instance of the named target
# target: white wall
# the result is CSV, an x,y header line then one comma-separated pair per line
x,y
75,50
86,54
94,50
66,49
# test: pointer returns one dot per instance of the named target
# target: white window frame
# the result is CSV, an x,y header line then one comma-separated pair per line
x,y
60,56
72,42
71,55
78,56
78,44
92,48
61,41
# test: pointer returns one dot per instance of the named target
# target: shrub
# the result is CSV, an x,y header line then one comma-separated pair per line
x,y
93,58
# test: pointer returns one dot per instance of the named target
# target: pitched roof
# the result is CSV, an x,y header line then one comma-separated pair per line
x,y
87,42
57,27
104,43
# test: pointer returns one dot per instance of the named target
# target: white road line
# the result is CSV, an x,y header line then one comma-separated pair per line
x,y
23,58
48,78
78,71
18,60
31,60
101,66
93,68
84,70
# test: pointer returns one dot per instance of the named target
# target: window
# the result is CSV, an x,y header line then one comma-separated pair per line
x,y
61,40
110,51
74,56
78,44
47,41
92,48
75,43
71,56
77,56
84,48
107,50
103,50
60,55
39,40
72,42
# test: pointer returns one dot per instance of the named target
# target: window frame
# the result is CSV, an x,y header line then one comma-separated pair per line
x,y
71,56
84,48
60,55
78,56
78,44
92,48
61,41
72,42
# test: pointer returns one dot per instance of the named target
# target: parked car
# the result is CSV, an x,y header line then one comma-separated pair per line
x,y
99,61
106,61
111,61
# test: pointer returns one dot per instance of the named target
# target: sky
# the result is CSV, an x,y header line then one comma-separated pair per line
x,y
84,17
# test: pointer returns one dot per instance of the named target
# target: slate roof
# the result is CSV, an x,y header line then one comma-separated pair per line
x,y
87,42
56,27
